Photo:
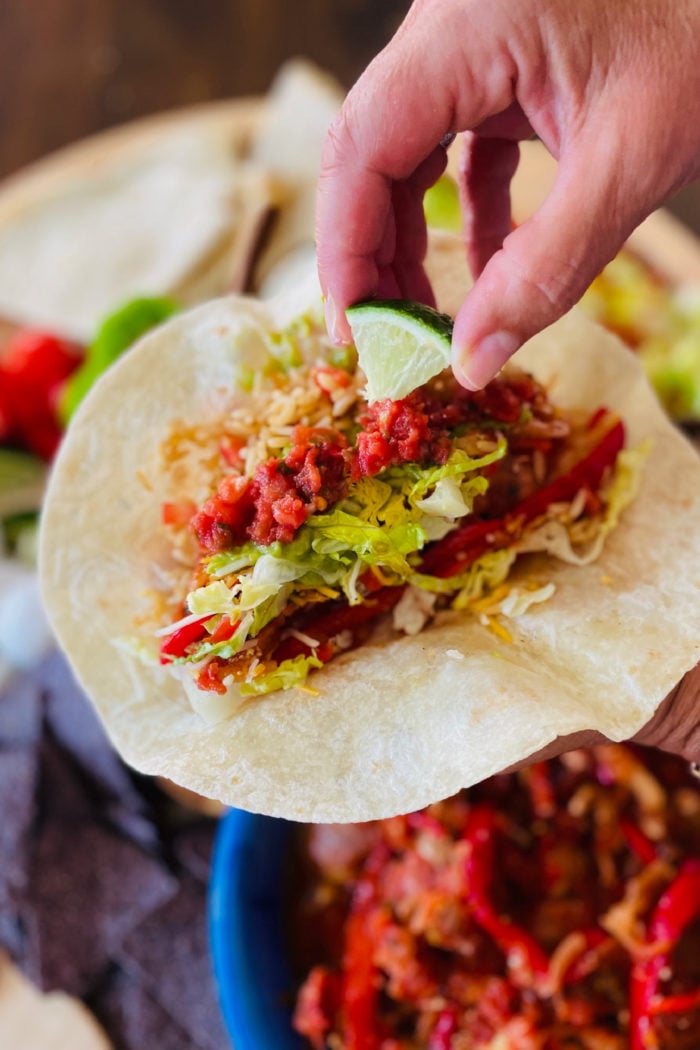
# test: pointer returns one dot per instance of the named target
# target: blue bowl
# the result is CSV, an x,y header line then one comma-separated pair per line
x,y
246,931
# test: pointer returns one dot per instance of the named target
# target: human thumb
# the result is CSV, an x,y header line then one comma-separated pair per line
x,y
543,268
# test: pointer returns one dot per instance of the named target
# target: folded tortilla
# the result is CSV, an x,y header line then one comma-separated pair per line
x,y
178,213
398,723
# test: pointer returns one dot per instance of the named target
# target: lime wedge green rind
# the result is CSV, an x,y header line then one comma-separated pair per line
x,y
400,345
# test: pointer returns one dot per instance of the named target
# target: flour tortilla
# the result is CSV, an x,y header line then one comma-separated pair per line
x,y
175,212
396,724
186,204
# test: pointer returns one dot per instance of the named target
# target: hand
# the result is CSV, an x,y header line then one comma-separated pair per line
x,y
613,91
674,727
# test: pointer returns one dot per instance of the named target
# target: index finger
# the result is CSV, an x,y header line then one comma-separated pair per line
x,y
423,85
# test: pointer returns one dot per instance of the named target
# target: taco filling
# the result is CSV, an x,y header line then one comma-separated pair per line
x,y
323,516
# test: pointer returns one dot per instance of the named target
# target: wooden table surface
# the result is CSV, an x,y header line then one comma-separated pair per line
x,y
69,68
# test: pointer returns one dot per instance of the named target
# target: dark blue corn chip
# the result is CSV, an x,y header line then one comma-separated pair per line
x,y
192,847
134,1020
11,937
18,776
89,889
169,953
74,724
63,794
20,712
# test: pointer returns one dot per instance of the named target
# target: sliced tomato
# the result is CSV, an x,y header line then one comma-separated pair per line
x,y
33,368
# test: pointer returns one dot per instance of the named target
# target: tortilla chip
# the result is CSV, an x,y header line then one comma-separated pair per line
x,y
177,932
79,930
400,723
193,848
43,1022
18,774
135,1020
20,712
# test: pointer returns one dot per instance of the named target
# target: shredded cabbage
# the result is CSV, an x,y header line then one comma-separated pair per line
x,y
483,575
519,600
225,650
233,561
216,598
339,534
285,676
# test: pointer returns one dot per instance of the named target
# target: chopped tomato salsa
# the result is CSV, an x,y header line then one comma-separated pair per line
x,y
315,470
282,493
520,914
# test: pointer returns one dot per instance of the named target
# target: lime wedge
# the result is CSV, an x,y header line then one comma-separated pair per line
x,y
441,205
400,345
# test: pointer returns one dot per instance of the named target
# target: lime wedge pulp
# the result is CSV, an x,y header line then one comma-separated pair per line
x,y
400,345
441,205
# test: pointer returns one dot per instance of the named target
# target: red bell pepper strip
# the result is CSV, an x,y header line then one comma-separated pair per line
x,y
525,958
677,907
360,983
225,630
465,545
638,842
325,623
682,1003
461,548
587,473
175,645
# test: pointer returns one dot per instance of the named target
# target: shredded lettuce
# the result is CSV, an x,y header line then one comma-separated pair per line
x,y
233,561
485,574
267,610
519,600
285,676
624,484
287,347
458,464
216,598
339,534
269,574
225,650
447,500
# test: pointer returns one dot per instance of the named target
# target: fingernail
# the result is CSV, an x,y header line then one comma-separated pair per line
x,y
477,366
332,321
